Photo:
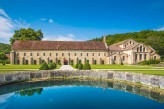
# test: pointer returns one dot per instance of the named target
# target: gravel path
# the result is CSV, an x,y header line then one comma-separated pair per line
x,y
66,67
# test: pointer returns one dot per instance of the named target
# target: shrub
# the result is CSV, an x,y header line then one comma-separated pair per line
x,y
51,66
77,65
3,63
55,64
148,62
44,66
87,66
80,66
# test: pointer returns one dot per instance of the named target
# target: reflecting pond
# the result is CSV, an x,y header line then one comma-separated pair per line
x,y
78,94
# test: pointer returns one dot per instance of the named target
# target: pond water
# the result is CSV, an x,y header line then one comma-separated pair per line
x,y
74,94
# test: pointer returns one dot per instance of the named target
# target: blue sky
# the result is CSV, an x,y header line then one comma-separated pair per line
x,y
80,19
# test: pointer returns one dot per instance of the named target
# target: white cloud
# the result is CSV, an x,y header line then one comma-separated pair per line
x,y
50,21
160,29
47,20
8,25
67,37
4,98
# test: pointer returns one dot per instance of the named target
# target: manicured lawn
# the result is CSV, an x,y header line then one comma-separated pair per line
x,y
121,67
19,66
11,68
8,66
150,72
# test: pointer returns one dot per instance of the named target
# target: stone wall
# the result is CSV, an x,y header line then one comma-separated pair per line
x,y
153,80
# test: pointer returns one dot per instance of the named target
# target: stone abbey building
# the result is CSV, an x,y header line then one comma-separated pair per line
x,y
72,52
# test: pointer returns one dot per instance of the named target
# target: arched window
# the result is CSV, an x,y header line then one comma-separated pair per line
x,y
137,49
140,48
123,58
155,57
115,58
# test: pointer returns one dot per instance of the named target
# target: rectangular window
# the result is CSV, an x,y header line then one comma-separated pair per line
x,y
24,54
56,54
145,56
115,58
37,54
81,54
144,49
87,54
93,54
62,54
50,54
99,54
104,54
136,56
30,54
123,58
43,54
75,54
68,54
140,56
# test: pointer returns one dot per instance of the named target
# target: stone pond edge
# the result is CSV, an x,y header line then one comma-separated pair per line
x,y
145,79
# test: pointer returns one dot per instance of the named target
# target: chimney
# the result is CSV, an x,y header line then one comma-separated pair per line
x,y
104,40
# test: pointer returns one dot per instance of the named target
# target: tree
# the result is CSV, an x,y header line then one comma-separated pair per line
x,y
44,66
80,67
3,57
26,34
51,66
87,66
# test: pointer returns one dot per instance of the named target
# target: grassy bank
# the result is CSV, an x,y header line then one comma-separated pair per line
x,y
11,68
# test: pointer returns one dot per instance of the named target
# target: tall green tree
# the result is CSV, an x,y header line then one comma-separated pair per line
x,y
3,58
26,34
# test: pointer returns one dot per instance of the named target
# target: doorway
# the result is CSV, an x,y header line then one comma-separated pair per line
x,y
65,62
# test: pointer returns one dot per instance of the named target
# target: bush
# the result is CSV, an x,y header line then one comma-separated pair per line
x,y
80,66
51,66
3,63
77,66
44,66
87,66
55,65
148,62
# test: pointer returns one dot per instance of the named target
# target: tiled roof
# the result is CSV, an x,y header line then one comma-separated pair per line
x,y
58,45
115,48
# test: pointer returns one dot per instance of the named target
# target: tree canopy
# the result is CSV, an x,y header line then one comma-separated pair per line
x,y
3,56
155,39
26,34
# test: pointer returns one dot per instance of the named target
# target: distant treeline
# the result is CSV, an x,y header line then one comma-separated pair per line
x,y
5,48
155,39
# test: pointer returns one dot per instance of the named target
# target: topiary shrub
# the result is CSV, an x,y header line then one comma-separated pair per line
x,y
77,65
3,63
55,64
87,66
80,66
44,66
51,66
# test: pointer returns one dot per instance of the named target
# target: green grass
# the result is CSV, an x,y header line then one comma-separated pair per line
x,y
150,72
121,67
19,66
8,66
11,68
